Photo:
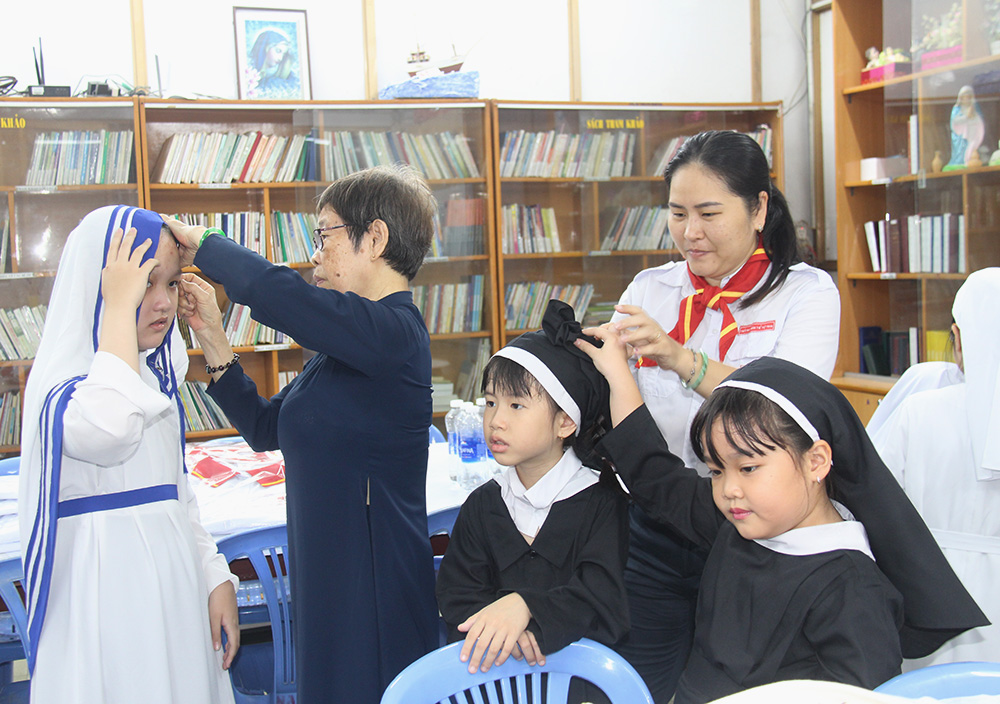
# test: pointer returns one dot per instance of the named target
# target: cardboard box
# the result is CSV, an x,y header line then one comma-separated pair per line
x,y
884,73
941,57
882,168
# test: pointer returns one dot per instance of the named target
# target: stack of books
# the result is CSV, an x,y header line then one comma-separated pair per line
x,y
442,393
201,412
21,331
245,228
81,157
450,308
10,418
291,236
525,302
640,228
528,229
929,244
594,155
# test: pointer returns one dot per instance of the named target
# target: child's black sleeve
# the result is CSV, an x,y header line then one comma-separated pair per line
x,y
466,580
592,602
659,482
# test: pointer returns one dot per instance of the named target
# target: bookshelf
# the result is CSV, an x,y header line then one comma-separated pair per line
x,y
580,196
203,166
908,117
59,159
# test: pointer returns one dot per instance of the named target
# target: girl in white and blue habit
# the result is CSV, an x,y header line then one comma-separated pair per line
x,y
126,591
804,580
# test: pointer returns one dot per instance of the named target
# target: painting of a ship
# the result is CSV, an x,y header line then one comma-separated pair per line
x,y
420,62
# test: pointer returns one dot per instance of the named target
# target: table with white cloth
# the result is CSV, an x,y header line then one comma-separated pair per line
x,y
237,490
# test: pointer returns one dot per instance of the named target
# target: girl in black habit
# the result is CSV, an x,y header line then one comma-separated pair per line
x,y
803,581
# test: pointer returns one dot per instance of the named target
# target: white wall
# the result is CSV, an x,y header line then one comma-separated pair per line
x,y
667,51
631,50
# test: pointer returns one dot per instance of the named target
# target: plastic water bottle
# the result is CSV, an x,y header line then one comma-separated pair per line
x,y
484,451
451,426
471,442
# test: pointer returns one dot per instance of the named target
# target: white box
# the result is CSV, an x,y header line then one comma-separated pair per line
x,y
881,168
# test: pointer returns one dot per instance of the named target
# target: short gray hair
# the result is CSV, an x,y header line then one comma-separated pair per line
x,y
400,197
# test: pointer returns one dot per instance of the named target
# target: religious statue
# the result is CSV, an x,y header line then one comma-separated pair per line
x,y
967,130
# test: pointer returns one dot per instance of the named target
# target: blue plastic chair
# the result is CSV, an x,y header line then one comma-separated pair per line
x,y
11,574
954,679
436,435
439,675
267,549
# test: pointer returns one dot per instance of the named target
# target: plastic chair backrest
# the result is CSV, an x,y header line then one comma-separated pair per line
x,y
9,466
11,573
439,675
436,435
954,679
267,550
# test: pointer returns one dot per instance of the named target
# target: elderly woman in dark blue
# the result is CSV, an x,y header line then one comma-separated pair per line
x,y
352,426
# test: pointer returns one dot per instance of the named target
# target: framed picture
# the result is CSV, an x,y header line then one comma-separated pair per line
x,y
272,54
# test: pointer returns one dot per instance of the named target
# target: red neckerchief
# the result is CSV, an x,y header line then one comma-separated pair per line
x,y
692,309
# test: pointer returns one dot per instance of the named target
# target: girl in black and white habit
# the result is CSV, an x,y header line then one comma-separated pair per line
x,y
797,585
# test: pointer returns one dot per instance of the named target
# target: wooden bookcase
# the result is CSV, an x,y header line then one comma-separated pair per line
x,y
40,203
908,116
469,251
455,345
590,203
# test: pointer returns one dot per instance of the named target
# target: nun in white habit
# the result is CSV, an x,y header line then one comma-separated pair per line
x,y
943,445
119,570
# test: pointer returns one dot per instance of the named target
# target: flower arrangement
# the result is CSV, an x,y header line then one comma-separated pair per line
x,y
941,32
887,56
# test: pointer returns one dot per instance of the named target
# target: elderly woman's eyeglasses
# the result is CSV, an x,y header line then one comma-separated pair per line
x,y
318,235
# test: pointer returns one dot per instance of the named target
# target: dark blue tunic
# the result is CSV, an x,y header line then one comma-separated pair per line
x,y
353,431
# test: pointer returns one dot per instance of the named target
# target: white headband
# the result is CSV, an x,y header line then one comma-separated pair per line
x,y
783,403
546,378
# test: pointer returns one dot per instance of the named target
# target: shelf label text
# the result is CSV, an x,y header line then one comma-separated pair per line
x,y
636,123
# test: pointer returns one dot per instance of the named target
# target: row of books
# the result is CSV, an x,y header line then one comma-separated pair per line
x,y
930,244
21,331
464,229
470,374
455,307
762,134
246,228
891,352
225,157
284,378
562,155
638,228
255,157
10,418
291,236
244,331
525,301
438,155
80,157
201,412
528,229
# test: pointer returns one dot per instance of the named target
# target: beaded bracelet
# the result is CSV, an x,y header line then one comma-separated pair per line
x,y
701,373
694,368
211,231
221,367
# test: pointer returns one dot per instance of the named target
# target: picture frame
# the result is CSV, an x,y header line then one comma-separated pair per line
x,y
272,54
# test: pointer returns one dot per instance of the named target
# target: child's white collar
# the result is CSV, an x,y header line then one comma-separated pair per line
x,y
847,535
529,508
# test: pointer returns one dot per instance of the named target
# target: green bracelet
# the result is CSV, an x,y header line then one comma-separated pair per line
x,y
211,231
701,372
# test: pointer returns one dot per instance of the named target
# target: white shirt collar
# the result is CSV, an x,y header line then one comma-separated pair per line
x,y
529,508
847,535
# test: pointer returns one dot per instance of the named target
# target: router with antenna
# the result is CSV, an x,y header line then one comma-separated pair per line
x,y
42,90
